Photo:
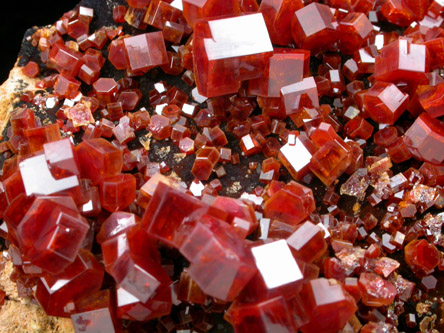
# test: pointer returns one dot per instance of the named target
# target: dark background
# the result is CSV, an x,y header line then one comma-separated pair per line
x,y
17,16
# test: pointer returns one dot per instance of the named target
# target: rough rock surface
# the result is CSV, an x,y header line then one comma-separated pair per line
x,y
23,315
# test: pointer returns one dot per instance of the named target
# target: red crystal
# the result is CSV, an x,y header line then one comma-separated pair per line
x,y
425,138
308,242
145,51
278,15
375,290
385,103
95,312
160,127
291,204
421,256
117,192
80,114
402,61
235,55
327,304
68,61
51,235
430,99
314,37
216,256
188,291
194,10
397,12
160,12
31,69
66,86
117,54
105,90
353,30
80,278
330,160
99,159
166,211
129,99
297,95
263,316
206,160
286,66
119,14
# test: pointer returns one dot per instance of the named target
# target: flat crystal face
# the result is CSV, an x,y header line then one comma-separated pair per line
x,y
297,155
45,184
291,95
237,37
211,165
276,264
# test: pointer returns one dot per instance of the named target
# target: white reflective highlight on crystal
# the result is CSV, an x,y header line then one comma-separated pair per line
x,y
292,93
188,109
159,108
51,102
248,142
71,102
297,155
198,97
125,298
379,41
160,87
37,179
412,57
237,37
196,188
177,4
254,199
276,264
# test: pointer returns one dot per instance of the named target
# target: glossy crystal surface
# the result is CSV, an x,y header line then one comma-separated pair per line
x,y
221,262
425,138
228,51
52,233
385,102
286,66
83,276
327,304
313,27
291,204
278,15
145,51
99,159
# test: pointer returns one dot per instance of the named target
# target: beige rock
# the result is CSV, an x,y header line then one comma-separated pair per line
x,y
19,314
10,91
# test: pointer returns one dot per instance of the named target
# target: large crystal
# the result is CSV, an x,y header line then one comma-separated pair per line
x,y
229,50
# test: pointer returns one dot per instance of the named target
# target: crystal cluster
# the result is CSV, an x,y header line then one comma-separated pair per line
x,y
269,187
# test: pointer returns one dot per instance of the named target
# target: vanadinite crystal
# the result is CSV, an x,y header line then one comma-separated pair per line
x,y
99,159
328,306
55,292
402,61
421,256
223,58
286,66
314,37
291,204
145,51
277,164
425,138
